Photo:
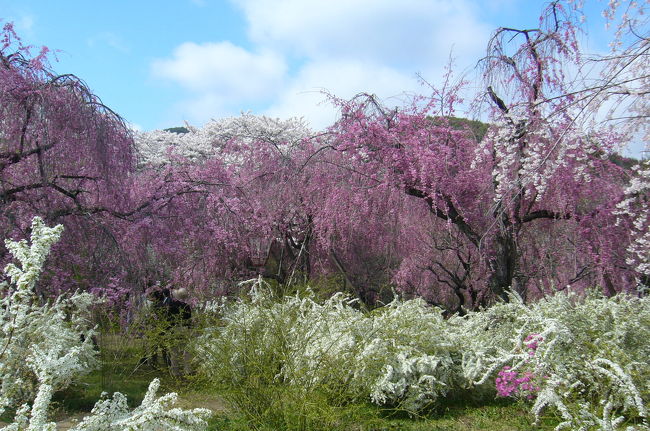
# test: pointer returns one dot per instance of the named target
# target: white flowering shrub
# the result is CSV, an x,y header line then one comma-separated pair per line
x,y
242,350
43,348
409,358
589,356
249,336
400,355
39,343
323,344
153,414
584,358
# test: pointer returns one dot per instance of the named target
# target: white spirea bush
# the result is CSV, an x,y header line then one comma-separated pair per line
x,y
39,343
43,348
400,355
153,414
587,356
410,358
590,359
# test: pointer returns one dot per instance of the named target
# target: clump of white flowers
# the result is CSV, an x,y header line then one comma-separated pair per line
x,y
40,344
588,356
401,355
527,153
45,347
153,414
410,357
583,357
159,147
636,206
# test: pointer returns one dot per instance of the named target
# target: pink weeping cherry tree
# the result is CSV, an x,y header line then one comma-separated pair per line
x,y
529,208
63,156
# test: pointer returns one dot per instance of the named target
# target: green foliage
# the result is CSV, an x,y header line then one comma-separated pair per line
x,y
180,130
625,162
294,362
456,415
477,128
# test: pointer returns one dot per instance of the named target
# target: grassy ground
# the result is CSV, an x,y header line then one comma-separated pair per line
x,y
452,416
495,416
120,371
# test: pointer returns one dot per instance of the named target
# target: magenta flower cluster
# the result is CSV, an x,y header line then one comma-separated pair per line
x,y
510,383
532,342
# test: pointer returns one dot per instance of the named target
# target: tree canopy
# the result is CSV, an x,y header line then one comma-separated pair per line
x,y
457,211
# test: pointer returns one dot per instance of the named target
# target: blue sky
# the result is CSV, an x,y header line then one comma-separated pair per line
x,y
160,63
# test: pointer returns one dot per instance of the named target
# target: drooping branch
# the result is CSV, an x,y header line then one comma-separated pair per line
x,y
449,213
16,157
497,100
543,214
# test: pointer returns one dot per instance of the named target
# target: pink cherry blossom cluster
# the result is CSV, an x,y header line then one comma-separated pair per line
x,y
440,207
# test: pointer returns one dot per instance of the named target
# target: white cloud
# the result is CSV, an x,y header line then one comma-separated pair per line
x,y
110,39
306,96
341,46
25,23
406,34
221,75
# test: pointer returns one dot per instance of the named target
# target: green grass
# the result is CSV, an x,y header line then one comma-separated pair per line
x,y
452,415
118,372
499,415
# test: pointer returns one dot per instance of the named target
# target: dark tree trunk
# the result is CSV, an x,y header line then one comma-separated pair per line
x,y
503,265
